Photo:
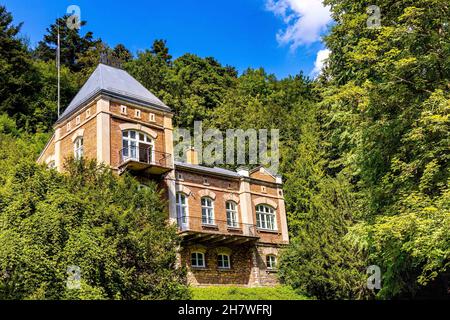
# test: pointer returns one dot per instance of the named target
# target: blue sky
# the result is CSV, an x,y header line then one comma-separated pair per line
x,y
283,36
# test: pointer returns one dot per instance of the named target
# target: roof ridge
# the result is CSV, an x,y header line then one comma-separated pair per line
x,y
101,75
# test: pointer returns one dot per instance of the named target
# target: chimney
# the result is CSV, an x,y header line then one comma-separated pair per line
x,y
192,156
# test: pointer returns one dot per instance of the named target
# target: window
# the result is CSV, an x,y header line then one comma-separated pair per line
x,y
180,176
123,109
137,114
271,261
207,211
88,113
205,181
78,120
137,146
231,209
265,217
143,187
198,259
78,148
51,164
263,189
223,261
151,117
182,207
68,126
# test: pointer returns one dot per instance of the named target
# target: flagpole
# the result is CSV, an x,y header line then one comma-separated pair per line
x,y
58,57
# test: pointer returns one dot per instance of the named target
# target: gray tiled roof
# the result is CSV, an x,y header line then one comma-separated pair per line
x,y
117,83
214,170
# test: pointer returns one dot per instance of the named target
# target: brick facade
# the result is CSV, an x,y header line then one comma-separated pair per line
x,y
100,122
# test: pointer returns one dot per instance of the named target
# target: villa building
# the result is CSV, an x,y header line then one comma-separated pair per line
x,y
232,224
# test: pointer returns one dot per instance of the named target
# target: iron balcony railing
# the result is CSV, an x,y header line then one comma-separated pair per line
x,y
145,155
203,224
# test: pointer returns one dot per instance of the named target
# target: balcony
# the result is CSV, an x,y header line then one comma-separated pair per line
x,y
144,159
220,232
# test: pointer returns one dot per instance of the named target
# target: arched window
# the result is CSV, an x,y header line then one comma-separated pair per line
x,y
271,261
137,146
265,217
52,164
182,207
207,210
223,261
78,148
232,214
198,259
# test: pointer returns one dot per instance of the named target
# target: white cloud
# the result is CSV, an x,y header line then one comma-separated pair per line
x,y
321,57
305,20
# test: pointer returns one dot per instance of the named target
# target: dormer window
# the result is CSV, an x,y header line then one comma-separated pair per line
x,y
151,117
123,109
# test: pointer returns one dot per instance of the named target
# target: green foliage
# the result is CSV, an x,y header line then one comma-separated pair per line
x,y
114,231
18,78
73,45
364,155
387,97
238,293
320,260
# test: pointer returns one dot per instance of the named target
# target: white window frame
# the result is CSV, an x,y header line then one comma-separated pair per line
x,y
52,164
266,217
78,149
207,211
88,113
195,261
78,120
130,146
182,208
123,109
271,262
232,214
223,261
137,113
151,117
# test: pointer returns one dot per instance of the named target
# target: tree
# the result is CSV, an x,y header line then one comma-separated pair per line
x,y
18,77
387,98
122,53
72,44
112,230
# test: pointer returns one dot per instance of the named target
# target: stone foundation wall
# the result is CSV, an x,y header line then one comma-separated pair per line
x,y
248,265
